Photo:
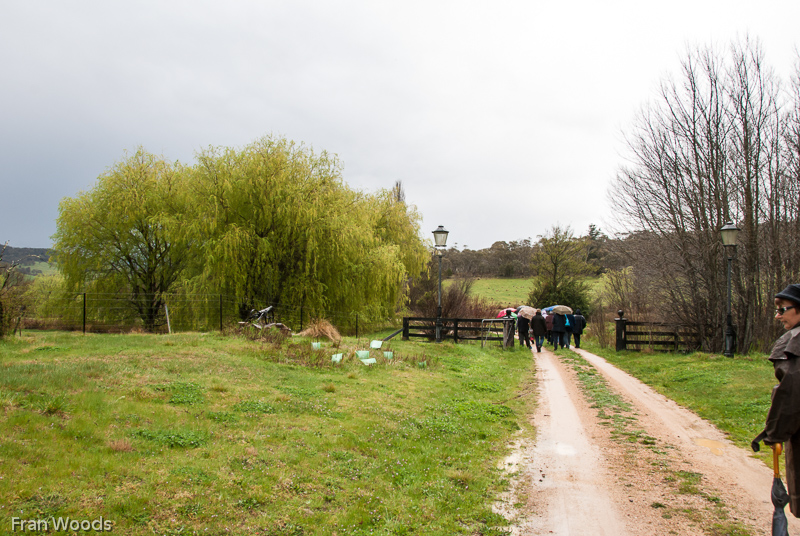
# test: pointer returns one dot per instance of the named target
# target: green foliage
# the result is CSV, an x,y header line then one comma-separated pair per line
x,y
174,438
184,393
575,294
273,223
560,268
127,233
277,224
254,406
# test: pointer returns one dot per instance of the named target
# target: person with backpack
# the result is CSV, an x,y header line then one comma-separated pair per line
x,y
559,331
578,325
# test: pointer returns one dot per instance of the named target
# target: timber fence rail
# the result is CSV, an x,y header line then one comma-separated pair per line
x,y
459,329
659,336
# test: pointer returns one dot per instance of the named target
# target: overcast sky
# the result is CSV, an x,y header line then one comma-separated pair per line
x,y
500,118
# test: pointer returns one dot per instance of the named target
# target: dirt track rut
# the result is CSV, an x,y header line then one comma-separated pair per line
x,y
672,473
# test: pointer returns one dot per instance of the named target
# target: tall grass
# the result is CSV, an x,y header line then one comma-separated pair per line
x,y
203,434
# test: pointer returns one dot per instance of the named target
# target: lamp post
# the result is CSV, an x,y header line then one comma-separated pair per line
x,y
440,240
729,234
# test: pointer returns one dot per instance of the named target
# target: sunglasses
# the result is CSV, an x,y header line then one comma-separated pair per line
x,y
781,310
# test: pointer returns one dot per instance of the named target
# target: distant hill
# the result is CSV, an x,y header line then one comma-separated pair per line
x,y
26,258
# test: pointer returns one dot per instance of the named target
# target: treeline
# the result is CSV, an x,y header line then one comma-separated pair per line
x,y
720,143
24,259
516,258
273,222
502,259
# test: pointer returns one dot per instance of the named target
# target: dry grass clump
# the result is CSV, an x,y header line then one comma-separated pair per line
x,y
320,328
120,445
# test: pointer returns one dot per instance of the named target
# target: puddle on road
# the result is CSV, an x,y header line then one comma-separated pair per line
x,y
714,446
565,449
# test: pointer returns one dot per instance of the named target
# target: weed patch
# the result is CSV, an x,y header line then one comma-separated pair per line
x,y
183,393
174,439
254,407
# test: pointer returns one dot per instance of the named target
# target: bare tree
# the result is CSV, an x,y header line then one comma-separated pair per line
x,y
712,149
11,286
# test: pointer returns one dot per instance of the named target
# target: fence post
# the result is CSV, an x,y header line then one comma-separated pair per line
x,y
508,334
455,330
84,313
356,325
220,313
405,328
166,311
621,321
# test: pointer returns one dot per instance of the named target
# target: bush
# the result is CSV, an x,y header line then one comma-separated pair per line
x,y
457,302
12,298
573,294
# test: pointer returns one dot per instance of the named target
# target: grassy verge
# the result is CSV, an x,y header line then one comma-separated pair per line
x,y
203,434
733,394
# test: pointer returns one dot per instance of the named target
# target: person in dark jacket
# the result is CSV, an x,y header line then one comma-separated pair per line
x,y
578,325
783,419
539,328
522,327
548,319
559,331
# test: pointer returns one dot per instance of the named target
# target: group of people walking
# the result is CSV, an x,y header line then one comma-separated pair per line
x,y
556,328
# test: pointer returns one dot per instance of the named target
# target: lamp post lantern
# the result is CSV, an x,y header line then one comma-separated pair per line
x,y
440,241
729,234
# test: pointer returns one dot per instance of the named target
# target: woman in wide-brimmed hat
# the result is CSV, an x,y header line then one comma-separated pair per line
x,y
783,417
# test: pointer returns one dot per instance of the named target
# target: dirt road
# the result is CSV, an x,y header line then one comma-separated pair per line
x,y
635,463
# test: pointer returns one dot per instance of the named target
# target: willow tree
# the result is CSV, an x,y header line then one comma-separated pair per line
x,y
125,235
276,224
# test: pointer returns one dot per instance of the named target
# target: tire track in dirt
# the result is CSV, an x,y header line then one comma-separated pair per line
x,y
576,480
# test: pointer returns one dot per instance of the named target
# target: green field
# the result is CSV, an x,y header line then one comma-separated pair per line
x,y
206,434
44,267
507,292
501,291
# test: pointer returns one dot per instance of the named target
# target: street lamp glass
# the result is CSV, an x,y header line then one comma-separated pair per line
x,y
440,236
729,234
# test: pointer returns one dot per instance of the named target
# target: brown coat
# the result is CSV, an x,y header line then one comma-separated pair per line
x,y
783,418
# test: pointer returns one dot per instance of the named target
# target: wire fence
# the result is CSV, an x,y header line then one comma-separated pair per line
x,y
123,313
